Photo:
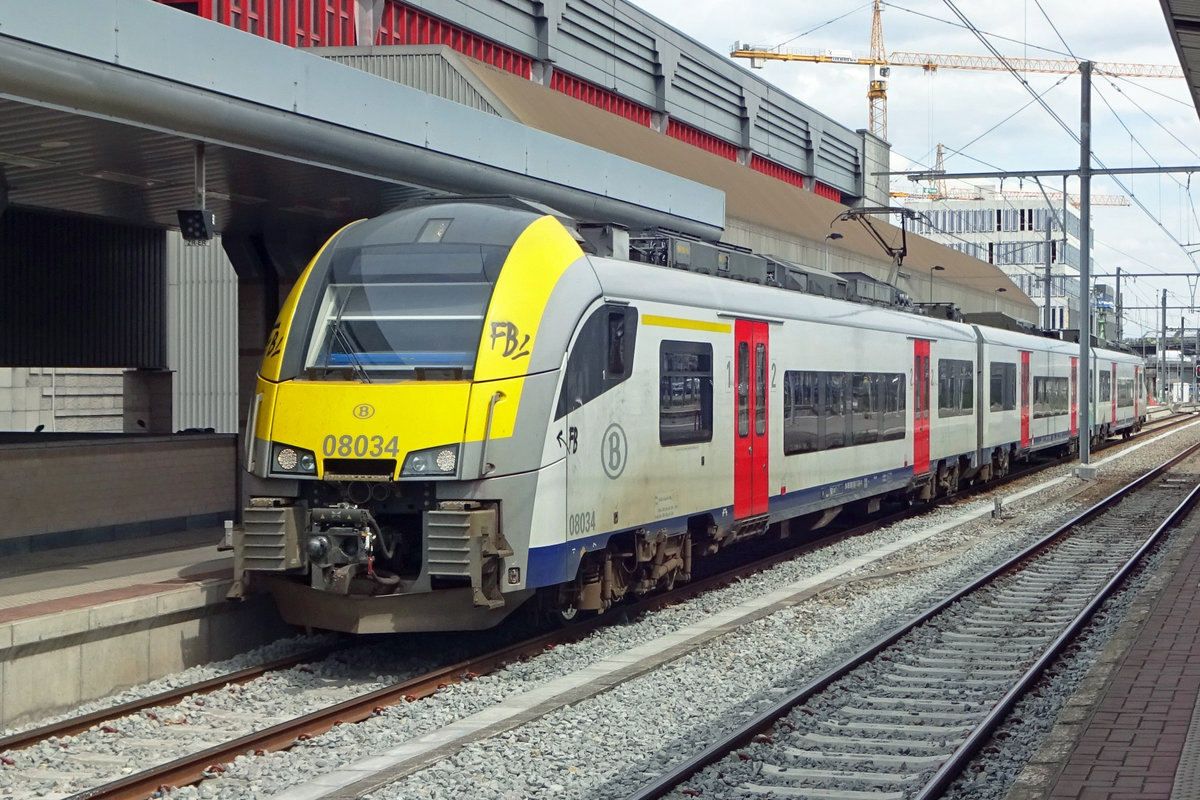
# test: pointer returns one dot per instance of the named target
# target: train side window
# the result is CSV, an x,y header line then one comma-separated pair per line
x,y
824,410
1124,391
1105,387
605,340
1051,396
685,393
833,406
801,406
956,387
1003,395
616,342
946,401
865,407
893,423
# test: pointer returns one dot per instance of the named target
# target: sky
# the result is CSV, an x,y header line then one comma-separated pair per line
x,y
988,121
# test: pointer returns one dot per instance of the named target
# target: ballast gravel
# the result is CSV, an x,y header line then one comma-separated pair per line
x,y
608,745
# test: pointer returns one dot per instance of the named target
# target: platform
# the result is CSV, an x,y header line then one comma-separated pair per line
x,y
80,623
1132,730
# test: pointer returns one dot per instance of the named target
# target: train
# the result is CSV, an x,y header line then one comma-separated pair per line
x,y
467,407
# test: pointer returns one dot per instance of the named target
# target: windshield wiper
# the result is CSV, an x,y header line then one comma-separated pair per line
x,y
336,333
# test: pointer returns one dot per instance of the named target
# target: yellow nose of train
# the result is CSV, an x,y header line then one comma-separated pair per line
x,y
356,430
401,348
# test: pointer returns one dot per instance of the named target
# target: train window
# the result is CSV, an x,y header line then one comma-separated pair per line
x,y
1124,391
1105,391
1051,397
395,313
760,389
946,400
892,393
866,407
925,383
590,370
743,389
801,406
386,332
1003,394
824,410
685,410
920,389
956,387
616,343
833,406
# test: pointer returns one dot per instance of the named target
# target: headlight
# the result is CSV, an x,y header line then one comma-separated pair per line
x,y
294,460
432,461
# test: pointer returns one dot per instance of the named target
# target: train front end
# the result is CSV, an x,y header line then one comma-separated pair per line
x,y
380,452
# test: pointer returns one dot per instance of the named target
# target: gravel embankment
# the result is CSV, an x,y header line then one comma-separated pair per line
x,y
607,745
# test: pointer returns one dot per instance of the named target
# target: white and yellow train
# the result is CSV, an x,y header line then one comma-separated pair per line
x,y
459,410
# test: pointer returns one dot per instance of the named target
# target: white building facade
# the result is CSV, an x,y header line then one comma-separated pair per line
x,y
1021,236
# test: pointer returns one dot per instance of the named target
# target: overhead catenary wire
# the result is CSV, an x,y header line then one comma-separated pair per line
x,y
1040,20
1092,155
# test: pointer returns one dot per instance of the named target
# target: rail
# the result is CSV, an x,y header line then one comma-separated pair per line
x,y
747,732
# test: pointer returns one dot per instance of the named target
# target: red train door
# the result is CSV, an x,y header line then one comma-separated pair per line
x,y
920,407
1073,388
1025,405
1112,393
750,448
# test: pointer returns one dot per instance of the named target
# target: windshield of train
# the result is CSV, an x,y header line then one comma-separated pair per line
x,y
400,312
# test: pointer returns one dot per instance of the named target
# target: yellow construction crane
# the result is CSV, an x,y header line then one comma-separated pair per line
x,y
881,60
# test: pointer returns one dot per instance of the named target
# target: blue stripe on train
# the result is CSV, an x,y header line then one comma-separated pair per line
x,y
559,562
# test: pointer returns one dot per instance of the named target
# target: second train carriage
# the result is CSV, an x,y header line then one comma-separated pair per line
x,y
460,409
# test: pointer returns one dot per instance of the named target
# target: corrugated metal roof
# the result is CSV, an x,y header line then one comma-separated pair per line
x,y
1183,21
101,117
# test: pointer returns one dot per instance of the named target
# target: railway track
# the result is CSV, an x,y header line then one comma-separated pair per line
x,y
204,763
79,724
900,720
207,763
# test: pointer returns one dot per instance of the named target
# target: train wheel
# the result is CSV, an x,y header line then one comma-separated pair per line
x,y
565,614
558,608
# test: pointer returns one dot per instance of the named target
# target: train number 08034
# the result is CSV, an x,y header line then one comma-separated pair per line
x,y
579,524
360,446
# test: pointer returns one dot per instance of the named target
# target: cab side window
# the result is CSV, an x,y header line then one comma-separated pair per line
x,y
601,357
